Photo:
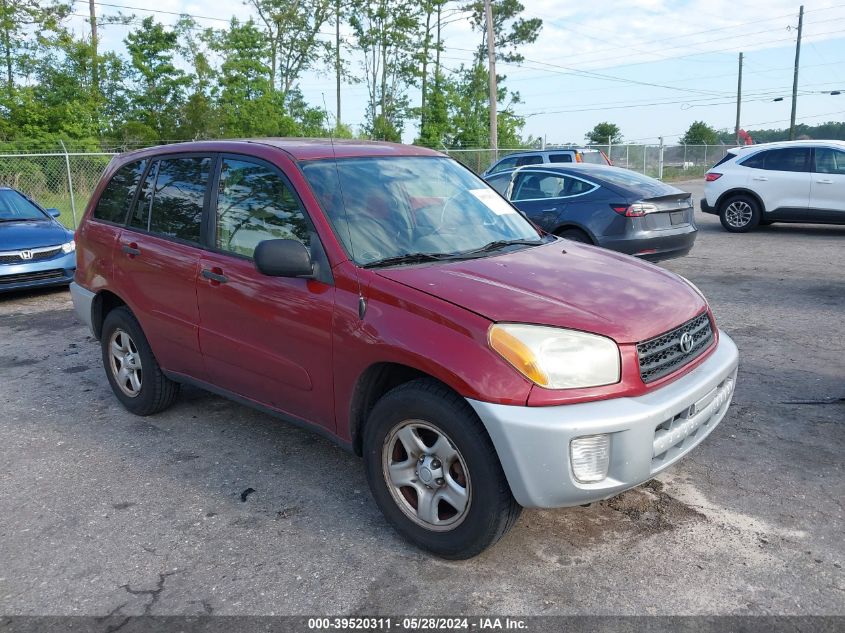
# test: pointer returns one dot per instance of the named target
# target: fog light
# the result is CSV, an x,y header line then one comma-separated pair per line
x,y
590,457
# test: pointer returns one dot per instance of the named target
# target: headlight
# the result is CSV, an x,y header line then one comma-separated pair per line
x,y
69,247
556,358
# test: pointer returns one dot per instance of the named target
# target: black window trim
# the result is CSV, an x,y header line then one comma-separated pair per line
x,y
154,160
210,233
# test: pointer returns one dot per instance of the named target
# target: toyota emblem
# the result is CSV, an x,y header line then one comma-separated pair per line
x,y
685,342
26,254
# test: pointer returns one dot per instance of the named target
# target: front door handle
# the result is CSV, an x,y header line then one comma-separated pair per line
x,y
215,276
825,182
131,249
762,178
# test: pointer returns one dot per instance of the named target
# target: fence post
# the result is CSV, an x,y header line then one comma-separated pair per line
x,y
627,164
660,160
69,183
645,152
685,156
705,155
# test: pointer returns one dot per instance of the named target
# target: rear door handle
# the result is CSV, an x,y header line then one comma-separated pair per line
x,y
759,178
825,182
215,276
131,249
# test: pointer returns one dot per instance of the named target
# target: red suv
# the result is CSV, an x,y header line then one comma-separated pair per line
x,y
387,297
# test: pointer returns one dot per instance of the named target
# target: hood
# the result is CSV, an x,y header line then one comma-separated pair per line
x,y
15,236
563,284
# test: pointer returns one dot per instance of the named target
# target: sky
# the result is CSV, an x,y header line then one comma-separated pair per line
x,y
650,66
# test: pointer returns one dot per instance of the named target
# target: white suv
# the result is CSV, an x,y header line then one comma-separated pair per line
x,y
791,181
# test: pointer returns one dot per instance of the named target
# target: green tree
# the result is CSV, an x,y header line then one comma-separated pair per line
x,y
159,90
386,32
291,28
600,134
699,133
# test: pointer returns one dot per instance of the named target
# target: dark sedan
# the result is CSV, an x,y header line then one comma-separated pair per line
x,y
35,250
608,206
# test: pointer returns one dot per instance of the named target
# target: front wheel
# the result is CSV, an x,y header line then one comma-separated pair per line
x,y
434,472
739,214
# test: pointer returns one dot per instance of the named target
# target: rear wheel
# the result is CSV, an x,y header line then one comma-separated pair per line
x,y
434,472
132,370
739,214
576,235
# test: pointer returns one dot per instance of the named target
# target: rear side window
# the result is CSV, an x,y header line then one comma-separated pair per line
x,y
595,158
531,159
560,158
724,159
114,201
178,197
787,159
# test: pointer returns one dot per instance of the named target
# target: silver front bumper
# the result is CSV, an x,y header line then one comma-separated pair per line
x,y
83,300
647,433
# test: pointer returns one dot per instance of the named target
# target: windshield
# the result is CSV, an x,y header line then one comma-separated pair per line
x,y
387,208
14,207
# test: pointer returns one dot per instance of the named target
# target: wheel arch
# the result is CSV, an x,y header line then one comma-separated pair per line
x,y
373,383
572,225
104,302
737,192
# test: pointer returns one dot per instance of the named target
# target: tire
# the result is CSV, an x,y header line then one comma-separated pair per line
x,y
739,214
576,235
142,387
445,438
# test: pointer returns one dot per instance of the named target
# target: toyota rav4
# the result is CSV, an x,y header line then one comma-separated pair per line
x,y
386,297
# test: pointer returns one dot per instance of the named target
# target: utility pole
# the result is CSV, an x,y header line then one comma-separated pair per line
x,y
738,100
795,77
491,64
95,73
337,58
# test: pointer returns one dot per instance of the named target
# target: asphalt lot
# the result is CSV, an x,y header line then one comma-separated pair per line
x,y
104,513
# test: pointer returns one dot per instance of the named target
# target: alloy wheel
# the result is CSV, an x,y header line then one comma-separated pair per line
x,y
125,363
738,214
426,475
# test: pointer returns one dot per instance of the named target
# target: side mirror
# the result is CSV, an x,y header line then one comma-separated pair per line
x,y
283,258
53,212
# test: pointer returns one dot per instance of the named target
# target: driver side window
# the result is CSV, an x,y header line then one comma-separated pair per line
x,y
254,203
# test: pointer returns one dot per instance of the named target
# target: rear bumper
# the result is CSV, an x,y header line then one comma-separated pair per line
x,y
83,300
706,208
57,271
647,434
653,245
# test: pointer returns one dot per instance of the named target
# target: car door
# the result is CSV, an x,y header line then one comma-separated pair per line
x,y
540,195
827,192
264,338
158,258
781,177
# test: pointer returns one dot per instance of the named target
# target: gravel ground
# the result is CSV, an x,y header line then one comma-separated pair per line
x,y
102,512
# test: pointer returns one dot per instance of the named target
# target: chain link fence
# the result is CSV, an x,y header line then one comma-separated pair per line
x,y
65,181
55,180
679,162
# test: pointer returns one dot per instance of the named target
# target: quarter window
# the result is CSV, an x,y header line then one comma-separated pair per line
x,y
254,203
830,161
114,201
500,182
178,197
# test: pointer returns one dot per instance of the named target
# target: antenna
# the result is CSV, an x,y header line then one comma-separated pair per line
x,y
362,302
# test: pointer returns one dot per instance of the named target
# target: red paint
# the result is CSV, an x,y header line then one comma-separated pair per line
x,y
299,346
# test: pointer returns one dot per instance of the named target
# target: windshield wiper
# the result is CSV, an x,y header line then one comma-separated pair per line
x,y
500,244
409,258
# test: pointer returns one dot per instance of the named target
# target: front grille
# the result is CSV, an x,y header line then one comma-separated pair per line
x,y
663,354
40,275
37,255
